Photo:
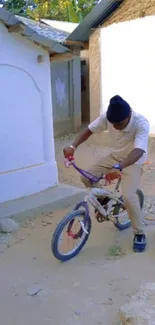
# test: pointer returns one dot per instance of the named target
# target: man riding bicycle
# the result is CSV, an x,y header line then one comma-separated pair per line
x,y
128,133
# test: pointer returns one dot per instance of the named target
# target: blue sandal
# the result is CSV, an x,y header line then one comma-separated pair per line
x,y
139,243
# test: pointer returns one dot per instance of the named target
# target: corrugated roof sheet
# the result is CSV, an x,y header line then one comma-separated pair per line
x,y
96,17
45,30
65,26
46,36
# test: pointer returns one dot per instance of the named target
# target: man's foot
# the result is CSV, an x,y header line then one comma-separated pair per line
x,y
139,243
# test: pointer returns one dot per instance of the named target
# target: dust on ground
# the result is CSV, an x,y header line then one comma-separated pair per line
x,y
90,288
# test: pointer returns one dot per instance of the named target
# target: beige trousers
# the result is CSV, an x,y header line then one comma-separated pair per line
x,y
131,177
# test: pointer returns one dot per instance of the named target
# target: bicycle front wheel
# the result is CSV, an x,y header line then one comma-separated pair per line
x,y
69,237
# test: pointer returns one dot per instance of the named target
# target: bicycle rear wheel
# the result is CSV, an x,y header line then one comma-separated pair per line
x,y
122,221
76,236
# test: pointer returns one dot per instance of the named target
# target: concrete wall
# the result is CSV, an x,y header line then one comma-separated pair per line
x,y
27,163
66,96
127,65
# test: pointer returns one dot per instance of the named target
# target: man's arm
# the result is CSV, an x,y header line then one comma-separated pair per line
x,y
132,158
97,126
82,137
140,146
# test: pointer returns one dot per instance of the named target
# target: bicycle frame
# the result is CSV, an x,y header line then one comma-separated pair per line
x,y
94,194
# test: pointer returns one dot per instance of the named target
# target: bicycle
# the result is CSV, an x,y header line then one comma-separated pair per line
x,y
113,209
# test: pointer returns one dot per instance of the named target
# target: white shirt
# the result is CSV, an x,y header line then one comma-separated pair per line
x,y
135,135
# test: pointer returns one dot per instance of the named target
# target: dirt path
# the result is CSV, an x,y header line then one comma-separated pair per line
x,y
87,290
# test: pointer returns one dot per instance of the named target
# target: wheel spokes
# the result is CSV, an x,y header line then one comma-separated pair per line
x,y
71,236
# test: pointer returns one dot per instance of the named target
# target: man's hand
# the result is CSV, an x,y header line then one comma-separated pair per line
x,y
112,176
82,137
68,151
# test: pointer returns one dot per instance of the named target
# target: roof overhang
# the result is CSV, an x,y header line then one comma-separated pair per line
x,y
96,17
14,25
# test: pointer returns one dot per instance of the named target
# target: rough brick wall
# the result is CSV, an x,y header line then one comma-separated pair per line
x,y
95,74
132,9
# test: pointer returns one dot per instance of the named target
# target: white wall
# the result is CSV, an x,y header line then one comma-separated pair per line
x,y
128,65
27,155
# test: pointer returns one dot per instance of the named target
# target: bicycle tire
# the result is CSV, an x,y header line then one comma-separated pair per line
x,y
54,243
127,225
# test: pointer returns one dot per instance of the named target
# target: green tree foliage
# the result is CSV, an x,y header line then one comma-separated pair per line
x,y
48,9
65,10
18,7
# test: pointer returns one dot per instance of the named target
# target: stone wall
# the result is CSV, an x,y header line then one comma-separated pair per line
x,y
132,9
129,10
85,95
95,74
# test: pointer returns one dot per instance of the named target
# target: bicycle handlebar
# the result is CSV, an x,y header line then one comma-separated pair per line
x,y
92,178
69,161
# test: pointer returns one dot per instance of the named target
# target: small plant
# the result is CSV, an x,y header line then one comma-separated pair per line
x,y
115,251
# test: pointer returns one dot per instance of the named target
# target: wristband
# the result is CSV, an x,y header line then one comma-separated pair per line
x,y
73,147
117,166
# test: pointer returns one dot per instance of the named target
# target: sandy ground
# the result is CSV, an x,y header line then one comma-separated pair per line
x,y
87,290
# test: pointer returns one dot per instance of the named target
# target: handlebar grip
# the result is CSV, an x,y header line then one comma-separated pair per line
x,y
68,161
70,158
